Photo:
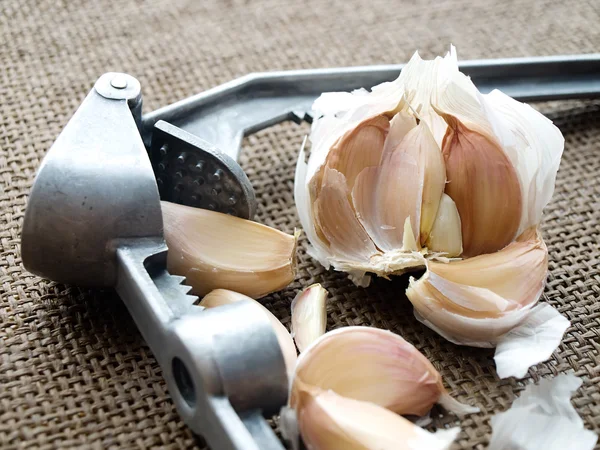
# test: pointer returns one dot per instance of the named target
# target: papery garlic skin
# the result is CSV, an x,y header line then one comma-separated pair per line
x,y
543,418
220,297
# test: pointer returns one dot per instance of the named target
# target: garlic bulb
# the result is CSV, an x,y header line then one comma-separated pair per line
x,y
373,365
214,250
309,315
220,297
426,172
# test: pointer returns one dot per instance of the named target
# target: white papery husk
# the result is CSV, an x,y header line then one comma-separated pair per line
x,y
543,418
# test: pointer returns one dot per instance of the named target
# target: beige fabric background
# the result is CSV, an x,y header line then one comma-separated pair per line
x,y
75,373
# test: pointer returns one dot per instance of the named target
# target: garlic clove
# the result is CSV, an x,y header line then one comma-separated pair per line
x,y
516,273
309,315
415,168
432,172
485,187
214,250
329,421
379,208
336,220
400,125
359,148
476,300
446,234
370,364
220,297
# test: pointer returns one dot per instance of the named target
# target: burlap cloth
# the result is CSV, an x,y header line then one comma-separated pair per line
x,y
75,373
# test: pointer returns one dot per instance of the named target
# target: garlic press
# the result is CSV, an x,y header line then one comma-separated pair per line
x,y
94,218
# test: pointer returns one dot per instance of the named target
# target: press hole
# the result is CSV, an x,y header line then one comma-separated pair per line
x,y
184,382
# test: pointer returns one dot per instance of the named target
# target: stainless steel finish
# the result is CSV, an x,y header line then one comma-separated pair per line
x,y
94,219
94,185
193,172
219,364
225,114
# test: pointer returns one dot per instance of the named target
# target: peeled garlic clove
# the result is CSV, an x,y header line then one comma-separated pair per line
x,y
371,365
446,234
485,187
476,300
309,315
220,297
329,421
214,250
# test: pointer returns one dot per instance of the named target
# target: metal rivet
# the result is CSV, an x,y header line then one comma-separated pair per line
x,y
217,175
163,150
179,174
231,212
179,187
119,81
194,198
212,206
199,181
181,158
200,165
162,166
232,200
159,181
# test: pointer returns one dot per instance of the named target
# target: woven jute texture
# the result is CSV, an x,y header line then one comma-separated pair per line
x,y
74,371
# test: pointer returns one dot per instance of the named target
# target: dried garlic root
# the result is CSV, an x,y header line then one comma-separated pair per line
x,y
426,172
220,297
351,384
214,250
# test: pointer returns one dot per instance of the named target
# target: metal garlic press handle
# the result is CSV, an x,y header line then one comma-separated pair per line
x,y
94,219
225,114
